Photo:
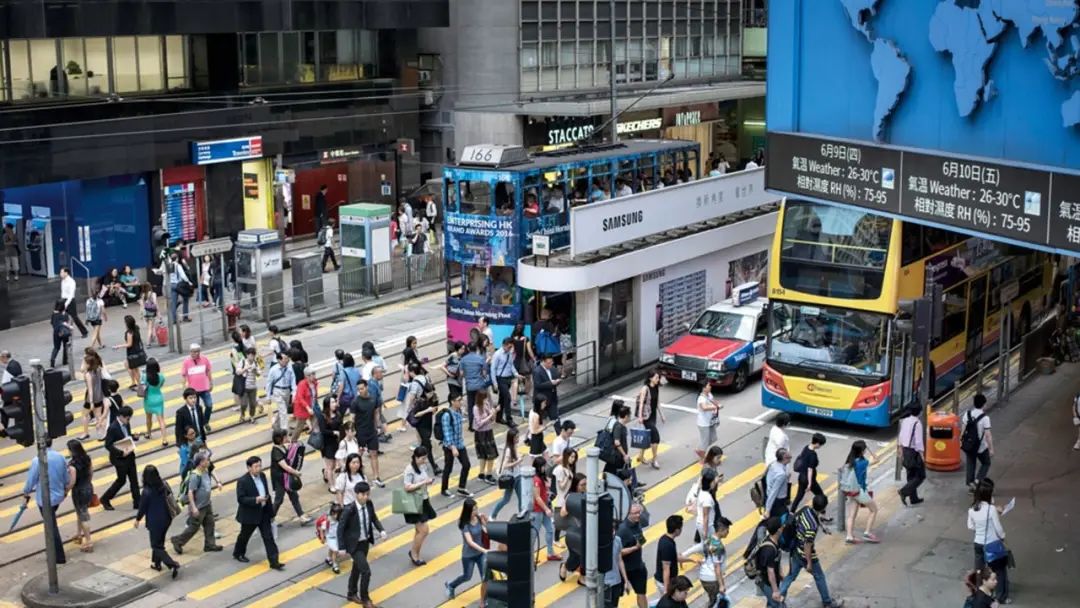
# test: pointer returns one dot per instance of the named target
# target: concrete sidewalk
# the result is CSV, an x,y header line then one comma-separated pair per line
x,y
927,550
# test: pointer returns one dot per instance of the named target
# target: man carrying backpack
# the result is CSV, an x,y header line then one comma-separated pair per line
x,y
976,441
765,559
804,554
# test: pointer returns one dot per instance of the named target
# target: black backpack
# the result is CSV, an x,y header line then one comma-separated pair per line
x,y
760,538
970,438
605,442
437,428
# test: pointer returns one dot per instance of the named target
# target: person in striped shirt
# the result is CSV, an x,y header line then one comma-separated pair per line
x,y
807,526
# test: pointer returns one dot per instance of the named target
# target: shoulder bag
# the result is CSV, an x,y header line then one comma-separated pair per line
x,y
406,503
995,550
910,457
170,502
505,480
640,439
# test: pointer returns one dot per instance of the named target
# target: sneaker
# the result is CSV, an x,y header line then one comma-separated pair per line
x,y
446,493
835,604
464,493
379,483
449,591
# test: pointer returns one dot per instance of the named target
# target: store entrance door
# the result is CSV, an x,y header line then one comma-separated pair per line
x,y
615,351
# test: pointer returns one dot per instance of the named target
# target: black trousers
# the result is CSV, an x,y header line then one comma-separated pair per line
x,y
470,400
424,432
59,345
915,477
267,534
294,498
73,311
805,483
126,471
361,571
158,554
448,467
505,398
328,254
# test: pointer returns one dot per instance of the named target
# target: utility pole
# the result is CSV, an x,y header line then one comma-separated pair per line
x,y
48,516
614,124
594,597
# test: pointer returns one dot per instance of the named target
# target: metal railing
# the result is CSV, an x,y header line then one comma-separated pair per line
x,y
86,271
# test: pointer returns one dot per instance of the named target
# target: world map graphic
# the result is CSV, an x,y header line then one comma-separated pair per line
x,y
969,32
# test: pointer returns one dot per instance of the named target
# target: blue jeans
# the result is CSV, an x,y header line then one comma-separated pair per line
x,y
207,400
765,590
505,500
541,520
467,565
797,564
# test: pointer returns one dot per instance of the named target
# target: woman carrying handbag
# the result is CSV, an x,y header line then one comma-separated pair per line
x,y
989,544
417,481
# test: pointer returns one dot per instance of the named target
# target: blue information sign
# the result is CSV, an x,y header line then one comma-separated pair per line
x,y
226,150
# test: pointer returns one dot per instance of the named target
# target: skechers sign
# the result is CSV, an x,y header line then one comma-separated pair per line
x,y
226,150
601,224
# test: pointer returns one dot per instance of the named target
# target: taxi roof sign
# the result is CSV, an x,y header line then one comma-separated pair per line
x,y
746,293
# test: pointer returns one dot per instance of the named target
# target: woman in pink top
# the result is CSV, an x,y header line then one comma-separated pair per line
x,y
198,375
484,435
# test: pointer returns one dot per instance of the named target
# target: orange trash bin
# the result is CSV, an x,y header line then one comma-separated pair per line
x,y
943,443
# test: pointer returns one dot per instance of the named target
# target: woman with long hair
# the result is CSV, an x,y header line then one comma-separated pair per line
x,y
237,354
706,507
347,444
154,401
508,462
984,519
133,348
409,356
648,408
330,425
417,480
81,487
94,402
153,505
130,283
573,560
541,512
351,474
859,496
524,361
61,332
484,437
473,526
563,474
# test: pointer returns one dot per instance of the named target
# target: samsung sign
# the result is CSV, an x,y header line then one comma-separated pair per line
x,y
594,226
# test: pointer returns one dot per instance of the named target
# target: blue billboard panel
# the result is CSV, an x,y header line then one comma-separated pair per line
x,y
481,240
998,79
226,150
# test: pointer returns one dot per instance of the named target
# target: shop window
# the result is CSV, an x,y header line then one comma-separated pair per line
x,y
125,67
475,197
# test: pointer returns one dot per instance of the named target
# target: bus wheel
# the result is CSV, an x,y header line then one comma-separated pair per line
x,y
741,374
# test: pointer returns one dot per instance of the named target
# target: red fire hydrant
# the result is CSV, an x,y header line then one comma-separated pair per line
x,y
232,313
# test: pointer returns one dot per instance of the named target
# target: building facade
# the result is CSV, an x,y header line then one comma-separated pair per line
x,y
537,73
203,117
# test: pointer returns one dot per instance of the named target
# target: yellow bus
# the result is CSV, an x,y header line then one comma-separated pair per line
x,y
836,275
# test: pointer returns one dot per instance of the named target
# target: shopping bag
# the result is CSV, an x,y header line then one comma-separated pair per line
x,y
640,438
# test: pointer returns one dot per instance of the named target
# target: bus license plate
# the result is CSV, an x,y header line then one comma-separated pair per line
x,y
691,376
817,411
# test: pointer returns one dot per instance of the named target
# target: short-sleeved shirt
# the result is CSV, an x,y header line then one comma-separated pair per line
x,y
666,552
346,484
540,490
768,557
476,531
559,445
806,529
614,576
704,418
983,425
808,459
629,537
364,412
563,477
704,500
667,602
200,484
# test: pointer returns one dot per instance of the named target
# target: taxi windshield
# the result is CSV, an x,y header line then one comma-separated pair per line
x,y
724,325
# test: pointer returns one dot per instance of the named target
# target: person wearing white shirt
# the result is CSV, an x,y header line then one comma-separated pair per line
x,y
622,188
328,245
707,419
778,438
67,294
714,560
984,519
562,441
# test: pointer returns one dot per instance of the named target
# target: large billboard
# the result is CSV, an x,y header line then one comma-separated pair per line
x,y
961,113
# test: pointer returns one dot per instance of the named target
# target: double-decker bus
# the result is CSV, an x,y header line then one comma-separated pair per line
x,y
497,197
836,276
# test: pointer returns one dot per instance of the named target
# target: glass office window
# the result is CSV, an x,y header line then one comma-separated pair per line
x,y
96,68
73,58
270,57
43,64
290,57
19,58
4,84
249,58
176,62
150,64
125,68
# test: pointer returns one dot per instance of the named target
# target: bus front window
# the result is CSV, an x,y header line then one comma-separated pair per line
x,y
830,339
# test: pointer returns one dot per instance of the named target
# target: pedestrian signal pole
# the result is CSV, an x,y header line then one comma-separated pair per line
x,y
37,380
594,597
919,321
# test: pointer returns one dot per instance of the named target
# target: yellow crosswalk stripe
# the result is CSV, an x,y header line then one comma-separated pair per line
x,y
310,582
448,558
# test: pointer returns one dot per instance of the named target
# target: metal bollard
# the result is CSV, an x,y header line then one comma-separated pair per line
x,y
841,503
307,298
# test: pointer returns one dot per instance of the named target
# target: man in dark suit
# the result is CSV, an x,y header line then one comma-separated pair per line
x,y
255,510
190,415
356,533
546,379
122,457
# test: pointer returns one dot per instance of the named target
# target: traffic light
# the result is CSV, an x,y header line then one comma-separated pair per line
x,y
576,505
56,400
19,410
516,562
937,310
915,319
